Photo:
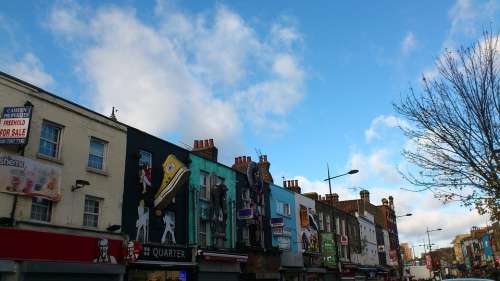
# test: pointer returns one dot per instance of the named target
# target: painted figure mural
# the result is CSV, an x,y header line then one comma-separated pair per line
x,y
218,211
309,230
154,222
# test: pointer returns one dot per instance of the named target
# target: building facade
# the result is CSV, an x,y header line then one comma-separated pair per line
x,y
212,214
60,189
155,209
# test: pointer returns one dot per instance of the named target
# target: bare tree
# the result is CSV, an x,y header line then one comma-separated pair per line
x,y
454,124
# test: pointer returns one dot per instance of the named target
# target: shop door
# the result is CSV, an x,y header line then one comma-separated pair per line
x,y
69,277
218,276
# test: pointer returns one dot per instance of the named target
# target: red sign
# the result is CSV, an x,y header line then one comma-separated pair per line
x,y
428,261
22,244
344,240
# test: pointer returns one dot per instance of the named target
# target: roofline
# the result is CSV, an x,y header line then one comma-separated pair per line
x,y
38,89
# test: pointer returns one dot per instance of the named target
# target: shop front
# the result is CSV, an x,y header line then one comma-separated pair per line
x,y
314,270
218,266
160,263
292,266
39,255
262,266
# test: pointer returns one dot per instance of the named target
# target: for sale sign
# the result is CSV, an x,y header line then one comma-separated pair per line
x,y
14,124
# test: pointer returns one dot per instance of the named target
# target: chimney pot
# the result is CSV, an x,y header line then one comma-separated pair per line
x,y
289,183
284,183
205,143
249,159
211,142
296,183
195,145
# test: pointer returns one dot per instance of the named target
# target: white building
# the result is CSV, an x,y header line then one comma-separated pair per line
x,y
369,249
60,194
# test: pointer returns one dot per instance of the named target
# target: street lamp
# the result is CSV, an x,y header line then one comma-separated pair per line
x,y
406,215
429,237
351,172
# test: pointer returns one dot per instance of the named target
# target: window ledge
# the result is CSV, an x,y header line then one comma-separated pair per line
x,y
48,158
97,171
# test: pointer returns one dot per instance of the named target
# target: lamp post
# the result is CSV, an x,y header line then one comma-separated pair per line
x,y
429,237
329,179
430,245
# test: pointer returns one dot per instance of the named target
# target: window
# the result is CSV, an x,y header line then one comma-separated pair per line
x,y
320,218
202,238
145,159
97,154
50,138
283,208
337,225
328,224
343,227
41,209
204,188
220,180
91,211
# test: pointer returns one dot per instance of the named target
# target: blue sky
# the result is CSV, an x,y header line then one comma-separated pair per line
x,y
305,84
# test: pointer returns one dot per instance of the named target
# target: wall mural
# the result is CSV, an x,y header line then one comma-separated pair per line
x,y
218,211
252,210
155,223
309,230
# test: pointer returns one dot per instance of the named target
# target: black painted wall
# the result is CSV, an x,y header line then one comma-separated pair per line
x,y
160,149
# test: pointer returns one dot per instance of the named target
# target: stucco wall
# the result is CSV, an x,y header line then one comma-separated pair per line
x,y
79,125
197,165
283,195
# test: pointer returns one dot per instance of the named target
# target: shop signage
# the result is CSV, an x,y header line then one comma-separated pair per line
x,y
328,250
14,124
245,214
24,176
152,252
23,244
428,261
277,222
344,240
224,257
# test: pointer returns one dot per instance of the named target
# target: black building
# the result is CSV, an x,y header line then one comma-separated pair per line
x,y
155,209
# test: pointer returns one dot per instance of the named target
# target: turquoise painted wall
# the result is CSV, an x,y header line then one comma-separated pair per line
x,y
197,165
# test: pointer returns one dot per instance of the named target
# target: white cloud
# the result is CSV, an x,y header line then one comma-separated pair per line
x,y
203,75
374,165
389,121
30,69
409,43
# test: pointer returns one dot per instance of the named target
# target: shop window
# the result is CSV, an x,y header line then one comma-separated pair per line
x,y
204,188
97,154
91,211
320,218
50,139
328,224
202,237
41,209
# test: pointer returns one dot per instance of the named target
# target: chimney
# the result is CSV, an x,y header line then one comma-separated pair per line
x,y
331,198
292,185
205,149
391,202
241,164
385,202
264,166
365,195
312,195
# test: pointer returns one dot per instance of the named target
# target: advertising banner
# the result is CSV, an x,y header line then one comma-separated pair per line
x,y
24,176
14,124
328,250
304,217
